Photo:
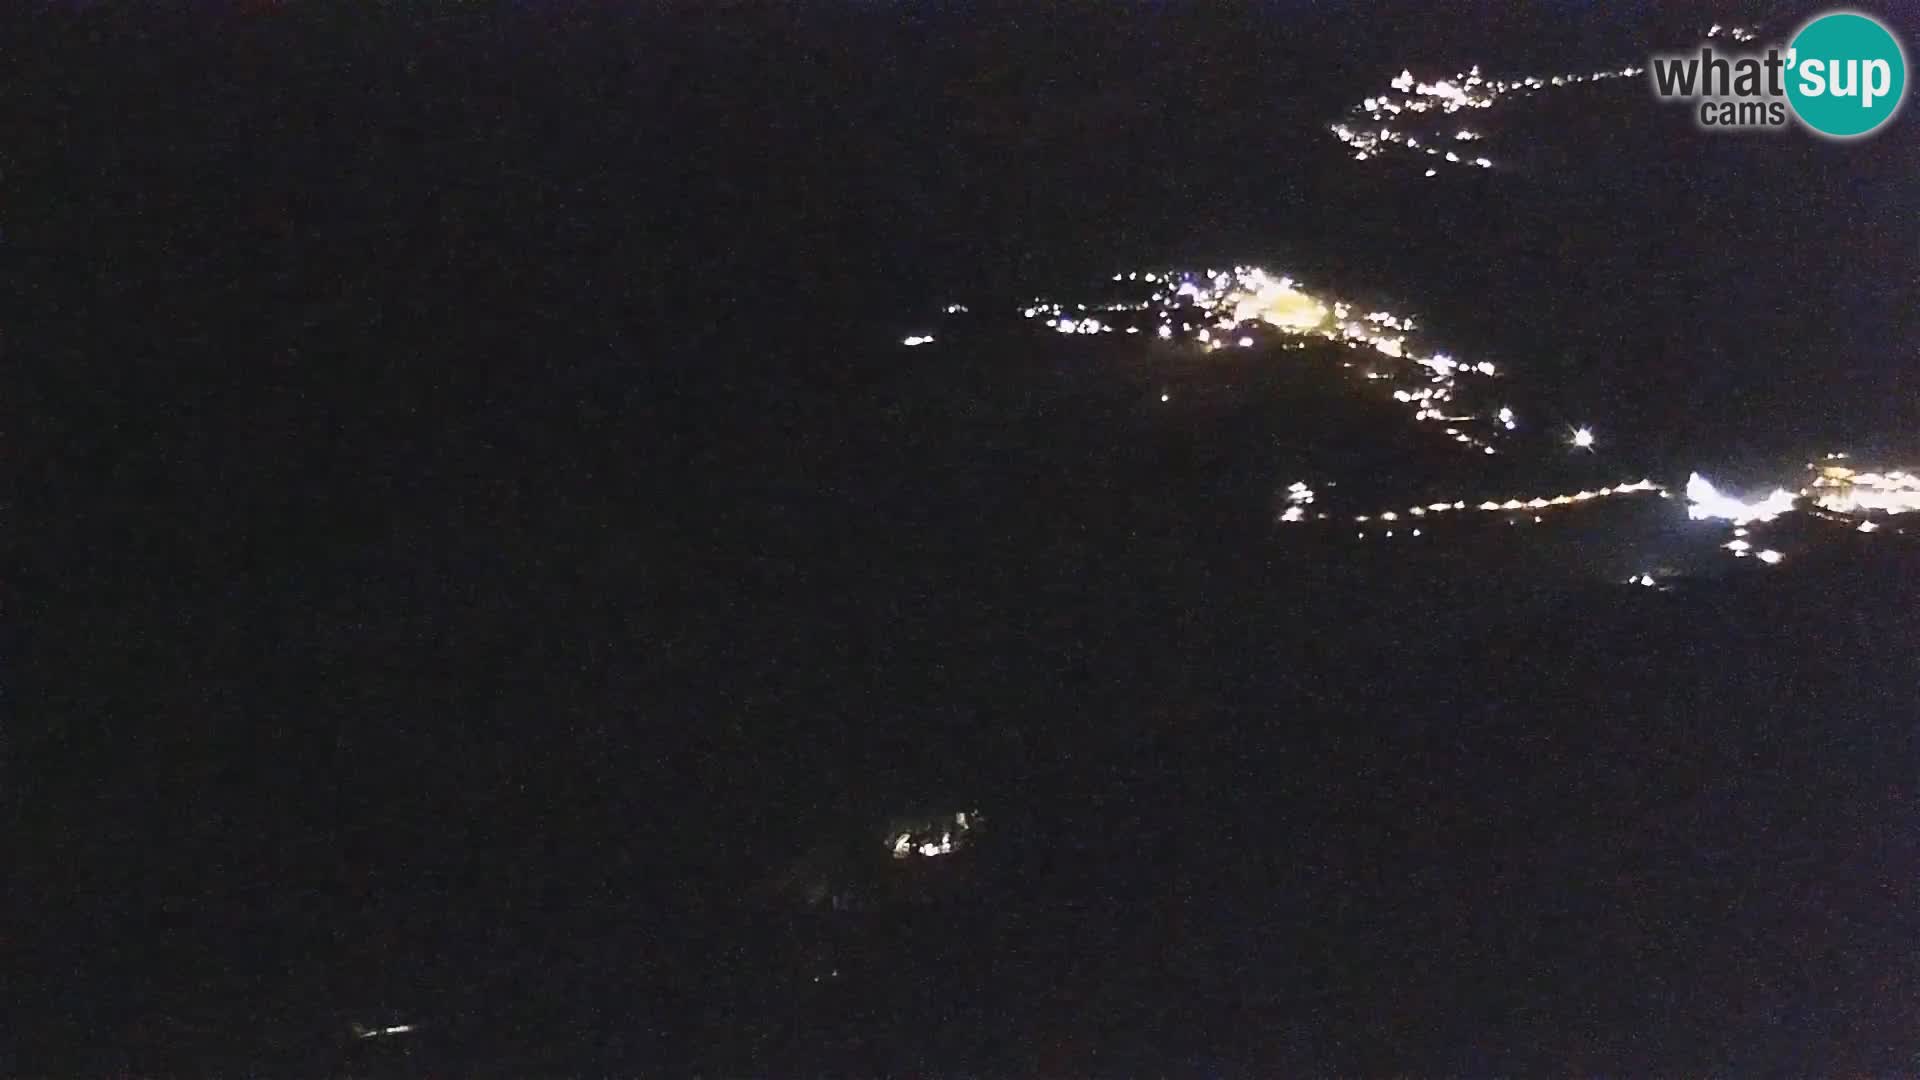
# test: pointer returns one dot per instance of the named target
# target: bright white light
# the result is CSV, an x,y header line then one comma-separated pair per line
x,y
1770,557
1165,332
1738,547
1583,438
1868,526
1166,398
1703,502
1246,343
918,339
1294,513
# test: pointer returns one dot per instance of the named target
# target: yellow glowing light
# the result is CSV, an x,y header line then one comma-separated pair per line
x,y
1278,304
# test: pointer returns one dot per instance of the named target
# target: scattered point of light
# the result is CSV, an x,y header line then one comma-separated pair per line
x,y
1770,557
1433,172
1230,301
1738,547
918,339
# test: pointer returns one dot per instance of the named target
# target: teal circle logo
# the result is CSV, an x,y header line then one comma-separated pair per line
x,y
1846,74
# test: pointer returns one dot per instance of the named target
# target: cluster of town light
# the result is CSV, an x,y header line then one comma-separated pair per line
x,y
1843,490
1244,307
1412,119
932,839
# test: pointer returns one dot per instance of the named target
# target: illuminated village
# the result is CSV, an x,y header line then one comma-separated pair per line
x,y
1249,307
1252,308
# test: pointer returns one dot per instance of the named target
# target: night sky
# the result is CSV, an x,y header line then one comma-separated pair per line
x,y
487,565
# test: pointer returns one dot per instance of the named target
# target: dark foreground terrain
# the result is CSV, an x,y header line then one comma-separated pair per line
x,y
496,561
1256,799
